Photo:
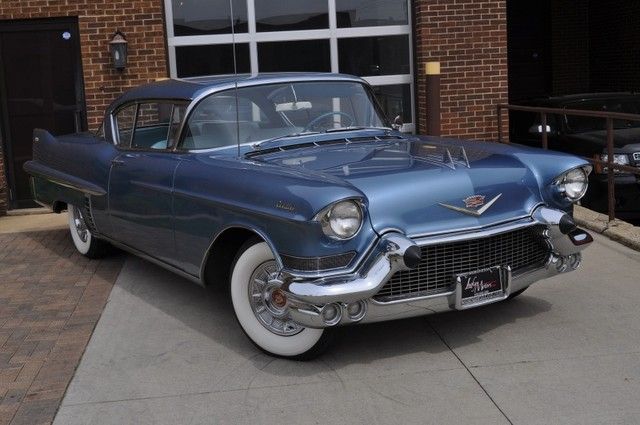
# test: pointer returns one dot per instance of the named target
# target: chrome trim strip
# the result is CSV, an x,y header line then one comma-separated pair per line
x,y
294,257
49,174
356,262
153,260
259,233
476,235
474,228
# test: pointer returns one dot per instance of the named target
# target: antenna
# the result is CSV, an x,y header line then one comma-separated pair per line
x,y
235,73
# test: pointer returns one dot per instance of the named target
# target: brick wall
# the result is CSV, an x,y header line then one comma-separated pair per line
x,y
142,21
469,39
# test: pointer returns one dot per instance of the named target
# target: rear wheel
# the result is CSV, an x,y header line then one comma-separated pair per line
x,y
85,242
260,309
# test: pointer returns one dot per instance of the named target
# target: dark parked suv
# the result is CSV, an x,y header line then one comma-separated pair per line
x,y
587,137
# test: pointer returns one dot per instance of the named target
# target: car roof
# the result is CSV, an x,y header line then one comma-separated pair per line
x,y
578,97
190,88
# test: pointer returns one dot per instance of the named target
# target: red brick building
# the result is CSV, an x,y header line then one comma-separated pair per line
x,y
387,43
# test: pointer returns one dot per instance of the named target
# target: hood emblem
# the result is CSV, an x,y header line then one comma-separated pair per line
x,y
474,201
474,205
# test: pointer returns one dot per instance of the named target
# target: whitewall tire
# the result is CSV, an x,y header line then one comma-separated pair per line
x,y
86,244
267,325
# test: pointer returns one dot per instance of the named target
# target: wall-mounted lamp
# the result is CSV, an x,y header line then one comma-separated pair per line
x,y
118,50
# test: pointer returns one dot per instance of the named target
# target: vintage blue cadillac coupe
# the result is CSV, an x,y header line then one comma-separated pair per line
x,y
295,192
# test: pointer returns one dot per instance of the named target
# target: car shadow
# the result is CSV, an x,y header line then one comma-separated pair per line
x,y
209,312
430,334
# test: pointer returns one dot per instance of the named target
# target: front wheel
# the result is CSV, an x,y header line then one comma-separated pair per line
x,y
260,311
86,244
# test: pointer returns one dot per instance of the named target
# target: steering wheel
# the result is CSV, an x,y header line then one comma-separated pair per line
x,y
319,118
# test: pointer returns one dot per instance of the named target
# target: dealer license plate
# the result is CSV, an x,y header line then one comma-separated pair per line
x,y
480,287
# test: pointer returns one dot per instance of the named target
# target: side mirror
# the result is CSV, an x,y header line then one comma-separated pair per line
x,y
537,129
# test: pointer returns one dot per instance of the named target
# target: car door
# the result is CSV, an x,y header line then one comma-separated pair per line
x,y
141,177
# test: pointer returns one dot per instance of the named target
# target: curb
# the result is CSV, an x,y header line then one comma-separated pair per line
x,y
617,230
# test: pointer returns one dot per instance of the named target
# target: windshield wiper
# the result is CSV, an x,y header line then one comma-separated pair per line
x,y
259,145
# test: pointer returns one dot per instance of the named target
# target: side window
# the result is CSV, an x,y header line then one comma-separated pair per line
x,y
152,126
124,124
177,117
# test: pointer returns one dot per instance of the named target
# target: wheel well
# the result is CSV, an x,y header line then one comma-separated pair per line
x,y
222,253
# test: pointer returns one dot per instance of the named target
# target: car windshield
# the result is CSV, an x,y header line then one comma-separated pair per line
x,y
578,124
259,113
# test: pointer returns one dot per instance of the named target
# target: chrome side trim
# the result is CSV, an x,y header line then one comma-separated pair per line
x,y
62,179
258,233
153,260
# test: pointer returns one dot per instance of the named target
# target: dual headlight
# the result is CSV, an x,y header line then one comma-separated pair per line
x,y
341,220
573,184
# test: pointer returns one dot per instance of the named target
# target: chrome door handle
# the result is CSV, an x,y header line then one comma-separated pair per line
x,y
132,155
117,162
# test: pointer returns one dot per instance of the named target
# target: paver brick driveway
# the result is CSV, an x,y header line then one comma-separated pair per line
x,y
51,298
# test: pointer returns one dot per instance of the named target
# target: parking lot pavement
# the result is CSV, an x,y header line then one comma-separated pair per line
x,y
567,351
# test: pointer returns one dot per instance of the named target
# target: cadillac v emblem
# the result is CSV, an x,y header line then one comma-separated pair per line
x,y
474,201
473,205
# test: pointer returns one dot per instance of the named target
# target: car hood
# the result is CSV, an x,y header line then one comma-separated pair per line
x,y
418,186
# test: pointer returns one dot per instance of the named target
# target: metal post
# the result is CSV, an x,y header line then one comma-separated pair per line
x,y
432,70
610,173
545,136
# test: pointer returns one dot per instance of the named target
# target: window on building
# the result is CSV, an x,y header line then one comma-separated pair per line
x,y
211,59
289,15
360,37
367,56
282,56
365,13
203,17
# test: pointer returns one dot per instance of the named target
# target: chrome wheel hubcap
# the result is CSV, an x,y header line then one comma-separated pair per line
x,y
81,226
267,301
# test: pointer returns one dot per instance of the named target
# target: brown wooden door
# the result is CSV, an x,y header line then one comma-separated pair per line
x,y
40,87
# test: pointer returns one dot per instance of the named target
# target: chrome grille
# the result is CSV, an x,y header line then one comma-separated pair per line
x,y
520,249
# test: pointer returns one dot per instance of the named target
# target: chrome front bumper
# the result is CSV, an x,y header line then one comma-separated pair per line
x,y
346,299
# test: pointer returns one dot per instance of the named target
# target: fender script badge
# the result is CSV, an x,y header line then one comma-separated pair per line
x,y
474,201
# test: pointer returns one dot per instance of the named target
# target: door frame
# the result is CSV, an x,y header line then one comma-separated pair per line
x,y
25,25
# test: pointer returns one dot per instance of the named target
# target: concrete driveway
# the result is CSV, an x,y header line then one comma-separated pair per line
x,y
567,351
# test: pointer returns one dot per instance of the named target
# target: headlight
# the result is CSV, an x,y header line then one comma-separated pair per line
x,y
618,158
573,184
341,220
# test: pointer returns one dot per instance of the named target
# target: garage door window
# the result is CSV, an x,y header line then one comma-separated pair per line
x,y
368,39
